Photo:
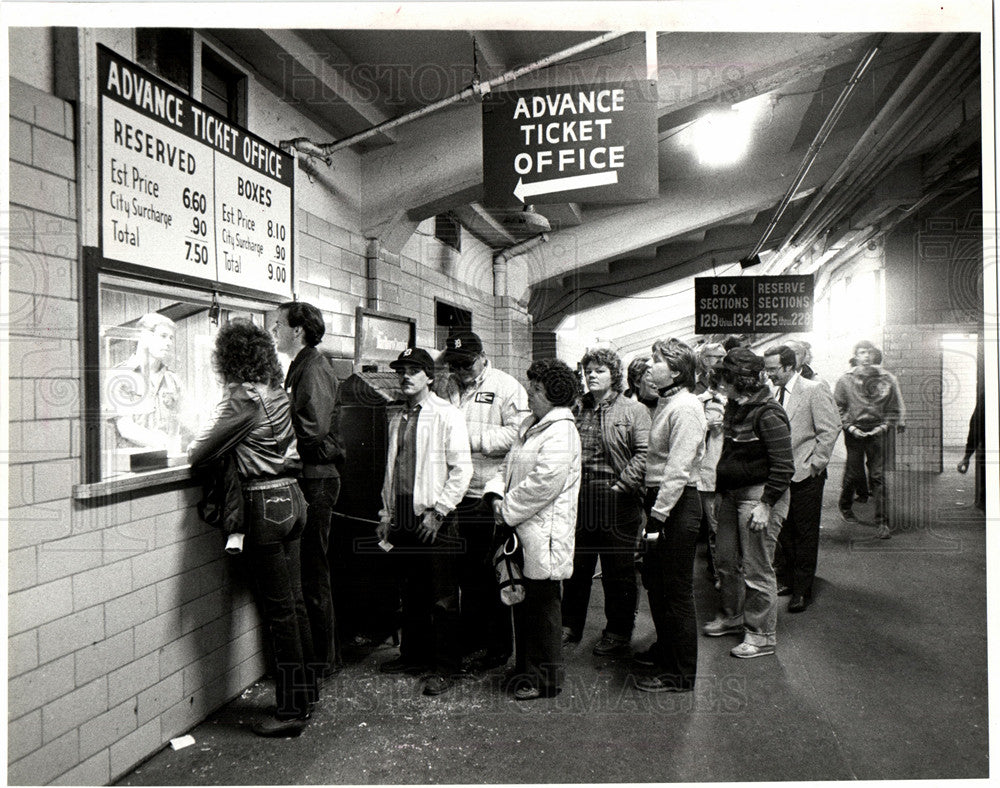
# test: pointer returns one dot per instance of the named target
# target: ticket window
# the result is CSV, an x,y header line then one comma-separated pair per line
x,y
157,384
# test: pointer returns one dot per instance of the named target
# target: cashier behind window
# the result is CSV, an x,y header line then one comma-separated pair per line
x,y
144,394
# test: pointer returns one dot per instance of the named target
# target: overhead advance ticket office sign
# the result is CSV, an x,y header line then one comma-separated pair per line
x,y
753,304
570,144
185,191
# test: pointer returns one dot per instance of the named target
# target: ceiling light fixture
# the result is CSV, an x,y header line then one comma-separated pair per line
x,y
722,137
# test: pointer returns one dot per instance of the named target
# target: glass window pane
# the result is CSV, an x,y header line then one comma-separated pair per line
x,y
157,382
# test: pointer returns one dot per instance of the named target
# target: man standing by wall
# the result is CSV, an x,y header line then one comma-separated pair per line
x,y
494,404
871,408
427,472
312,388
815,424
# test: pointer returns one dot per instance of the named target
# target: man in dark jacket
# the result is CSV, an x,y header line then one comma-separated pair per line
x,y
312,388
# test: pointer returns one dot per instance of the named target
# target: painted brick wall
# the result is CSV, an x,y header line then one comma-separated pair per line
x,y
331,274
126,623
958,391
916,363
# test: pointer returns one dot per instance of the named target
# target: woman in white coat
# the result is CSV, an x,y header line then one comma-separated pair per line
x,y
536,493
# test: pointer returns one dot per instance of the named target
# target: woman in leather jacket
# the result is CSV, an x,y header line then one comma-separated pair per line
x,y
253,422
614,433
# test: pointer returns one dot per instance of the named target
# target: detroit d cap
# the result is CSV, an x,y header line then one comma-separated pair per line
x,y
462,346
416,356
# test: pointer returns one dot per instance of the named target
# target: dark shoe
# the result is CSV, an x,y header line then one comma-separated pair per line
x,y
646,658
400,665
783,590
275,728
488,662
272,711
436,685
530,692
656,684
611,645
570,637
797,604
848,516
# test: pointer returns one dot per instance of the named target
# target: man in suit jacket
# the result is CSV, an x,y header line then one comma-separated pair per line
x,y
815,424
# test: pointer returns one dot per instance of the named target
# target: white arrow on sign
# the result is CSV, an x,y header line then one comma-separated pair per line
x,y
523,190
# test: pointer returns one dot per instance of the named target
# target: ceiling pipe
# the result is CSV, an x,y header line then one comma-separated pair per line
x,y
815,147
872,143
501,258
832,265
900,135
476,89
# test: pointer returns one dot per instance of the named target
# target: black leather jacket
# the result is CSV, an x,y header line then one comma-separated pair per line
x,y
254,421
312,385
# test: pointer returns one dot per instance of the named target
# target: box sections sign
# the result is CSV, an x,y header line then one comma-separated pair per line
x,y
571,143
185,191
753,304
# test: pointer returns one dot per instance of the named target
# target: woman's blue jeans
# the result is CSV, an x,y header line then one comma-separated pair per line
x,y
275,517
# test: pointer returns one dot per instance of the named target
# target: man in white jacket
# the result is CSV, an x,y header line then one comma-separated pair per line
x,y
494,405
427,472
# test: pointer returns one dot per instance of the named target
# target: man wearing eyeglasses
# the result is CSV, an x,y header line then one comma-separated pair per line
x,y
494,404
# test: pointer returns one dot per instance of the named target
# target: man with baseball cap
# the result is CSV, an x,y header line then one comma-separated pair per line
x,y
494,404
427,472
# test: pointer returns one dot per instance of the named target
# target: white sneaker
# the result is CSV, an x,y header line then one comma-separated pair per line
x,y
748,650
720,626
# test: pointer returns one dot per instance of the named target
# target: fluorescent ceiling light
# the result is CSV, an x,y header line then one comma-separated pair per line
x,y
722,137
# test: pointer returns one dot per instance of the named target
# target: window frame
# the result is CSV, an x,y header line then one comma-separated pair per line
x,y
444,330
97,275
238,75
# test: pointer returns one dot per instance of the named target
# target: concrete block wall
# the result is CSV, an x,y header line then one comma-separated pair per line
x,y
127,625
913,355
406,286
958,392
332,274
514,338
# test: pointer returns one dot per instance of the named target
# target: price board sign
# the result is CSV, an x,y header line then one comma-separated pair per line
x,y
753,304
185,191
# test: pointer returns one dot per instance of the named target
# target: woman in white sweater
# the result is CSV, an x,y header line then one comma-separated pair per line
x,y
535,493
673,506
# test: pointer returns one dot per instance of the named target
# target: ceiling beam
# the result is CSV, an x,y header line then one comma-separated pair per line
x,y
828,52
682,207
722,246
490,46
478,221
303,70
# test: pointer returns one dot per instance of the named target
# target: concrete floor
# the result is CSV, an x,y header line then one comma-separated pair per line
x,y
883,677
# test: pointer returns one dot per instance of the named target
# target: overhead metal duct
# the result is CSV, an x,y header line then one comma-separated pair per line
x,y
476,89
